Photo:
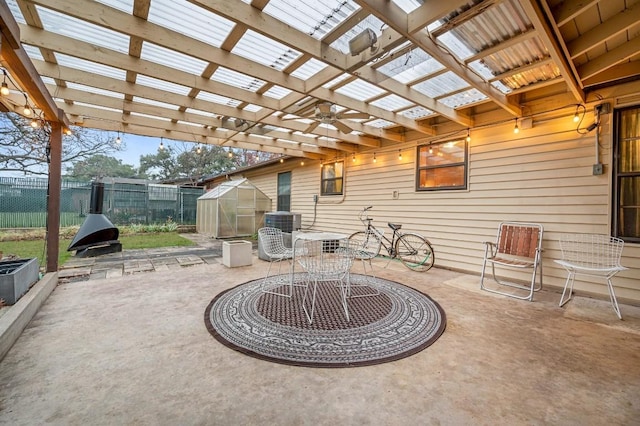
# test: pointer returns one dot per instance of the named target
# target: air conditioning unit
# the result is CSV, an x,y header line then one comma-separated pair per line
x,y
285,221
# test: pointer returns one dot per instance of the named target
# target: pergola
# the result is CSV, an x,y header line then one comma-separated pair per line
x,y
316,79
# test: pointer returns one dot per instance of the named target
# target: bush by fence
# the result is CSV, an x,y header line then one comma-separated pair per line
x,y
23,202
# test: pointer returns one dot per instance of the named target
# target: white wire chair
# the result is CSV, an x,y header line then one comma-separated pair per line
x,y
323,266
272,243
366,246
594,255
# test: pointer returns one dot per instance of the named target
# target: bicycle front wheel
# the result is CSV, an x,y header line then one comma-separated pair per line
x,y
367,243
415,252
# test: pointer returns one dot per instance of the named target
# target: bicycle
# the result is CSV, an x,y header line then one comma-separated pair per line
x,y
412,249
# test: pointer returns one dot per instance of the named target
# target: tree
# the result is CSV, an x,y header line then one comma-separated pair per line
x,y
193,163
25,149
99,166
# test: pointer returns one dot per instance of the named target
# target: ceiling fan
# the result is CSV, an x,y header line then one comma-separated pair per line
x,y
326,113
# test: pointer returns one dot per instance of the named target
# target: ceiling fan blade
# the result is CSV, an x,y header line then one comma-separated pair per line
x,y
342,127
353,115
312,127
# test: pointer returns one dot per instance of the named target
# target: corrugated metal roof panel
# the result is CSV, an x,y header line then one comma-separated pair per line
x,y
203,25
236,79
81,30
310,16
265,51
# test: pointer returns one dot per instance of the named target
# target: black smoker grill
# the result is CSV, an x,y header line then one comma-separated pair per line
x,y
97,235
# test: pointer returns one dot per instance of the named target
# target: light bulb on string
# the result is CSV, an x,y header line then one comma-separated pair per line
x,y
576,116
34,123
5,88
198,149
302,163
282,160
118,139
468,135
516,129
161,147
399,154
230,154
68,132
353,158
430,149
374,158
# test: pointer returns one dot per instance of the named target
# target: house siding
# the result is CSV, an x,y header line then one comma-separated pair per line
x,y
543,175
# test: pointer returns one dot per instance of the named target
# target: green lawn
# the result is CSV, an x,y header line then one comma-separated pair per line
x,y
36,248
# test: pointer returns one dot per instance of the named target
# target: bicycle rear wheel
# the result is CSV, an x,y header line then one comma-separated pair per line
x,y
415,252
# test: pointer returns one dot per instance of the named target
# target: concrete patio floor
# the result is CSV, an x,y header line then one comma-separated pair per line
x,y
134,349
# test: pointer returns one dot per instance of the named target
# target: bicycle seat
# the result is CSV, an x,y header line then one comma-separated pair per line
x,y
395,226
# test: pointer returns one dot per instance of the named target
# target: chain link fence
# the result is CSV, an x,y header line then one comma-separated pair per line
x,y
23,202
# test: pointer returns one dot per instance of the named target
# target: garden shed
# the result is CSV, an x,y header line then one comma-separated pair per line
x,y
234,208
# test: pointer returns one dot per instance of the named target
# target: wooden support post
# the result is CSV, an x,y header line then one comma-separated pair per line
x,y
53,196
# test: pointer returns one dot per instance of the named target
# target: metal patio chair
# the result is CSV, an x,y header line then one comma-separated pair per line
x,y
366,246
593,255
324,266
272,243
518,246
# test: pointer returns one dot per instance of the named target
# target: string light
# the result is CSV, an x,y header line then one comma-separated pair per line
x,y
34,123
118,139
5,88
430,149
198,149
516,129
399,154
230,154
68,132
353,158
374,158
302,163
468,135
161,147
282,160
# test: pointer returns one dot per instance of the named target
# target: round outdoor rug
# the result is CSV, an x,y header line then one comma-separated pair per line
x,y
395,324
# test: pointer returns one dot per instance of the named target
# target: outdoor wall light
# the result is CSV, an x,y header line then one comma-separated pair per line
x,y
363,41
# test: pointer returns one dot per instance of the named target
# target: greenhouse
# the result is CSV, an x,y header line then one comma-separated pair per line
x,y
234,208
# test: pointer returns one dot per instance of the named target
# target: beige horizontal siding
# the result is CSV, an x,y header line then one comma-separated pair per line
x,y
544,176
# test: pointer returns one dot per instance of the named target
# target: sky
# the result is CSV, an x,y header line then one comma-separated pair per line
x,y
143,145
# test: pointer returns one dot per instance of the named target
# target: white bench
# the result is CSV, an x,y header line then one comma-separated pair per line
x,y
594,255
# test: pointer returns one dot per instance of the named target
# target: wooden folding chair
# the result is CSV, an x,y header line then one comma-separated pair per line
x,y
518,246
